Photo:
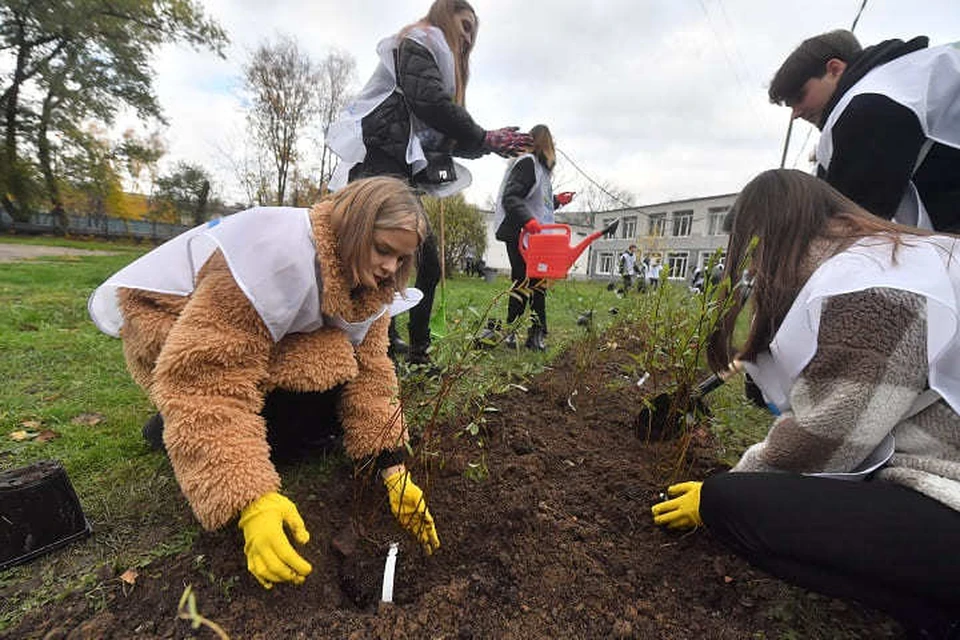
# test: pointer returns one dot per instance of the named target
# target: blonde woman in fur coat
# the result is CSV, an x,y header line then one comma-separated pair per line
x,y
264,334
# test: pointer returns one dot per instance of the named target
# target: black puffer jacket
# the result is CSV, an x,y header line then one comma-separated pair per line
x,y
386,130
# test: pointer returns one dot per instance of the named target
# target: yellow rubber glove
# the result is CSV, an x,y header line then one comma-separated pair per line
x,y
683,510
410,509
270,558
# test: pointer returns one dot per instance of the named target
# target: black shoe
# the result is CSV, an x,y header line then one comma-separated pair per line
x,y
153,432
535,340
510,341
398,348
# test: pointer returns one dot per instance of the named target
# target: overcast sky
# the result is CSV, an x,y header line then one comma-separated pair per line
x,y
664,99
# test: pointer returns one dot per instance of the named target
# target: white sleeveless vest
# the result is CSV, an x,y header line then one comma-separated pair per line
x,y
345,136
539,201
928,83
926,266
271,256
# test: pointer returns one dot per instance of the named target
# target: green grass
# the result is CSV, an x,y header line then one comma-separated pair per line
x,y
60,374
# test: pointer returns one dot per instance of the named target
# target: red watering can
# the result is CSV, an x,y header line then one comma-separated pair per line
x,y
548,254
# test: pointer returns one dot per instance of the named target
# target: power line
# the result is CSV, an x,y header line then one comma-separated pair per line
x,y
592,181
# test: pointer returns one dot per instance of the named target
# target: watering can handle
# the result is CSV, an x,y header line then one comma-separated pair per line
x,y
522,245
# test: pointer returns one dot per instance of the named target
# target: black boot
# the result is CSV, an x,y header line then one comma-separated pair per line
x,y
153,432
535,339
398,348
490,336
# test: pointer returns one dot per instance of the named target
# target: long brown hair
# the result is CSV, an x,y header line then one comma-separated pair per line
x,y
365,206
543,146
442,14
773,225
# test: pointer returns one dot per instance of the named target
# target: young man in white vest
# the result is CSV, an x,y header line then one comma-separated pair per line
x,y
889,117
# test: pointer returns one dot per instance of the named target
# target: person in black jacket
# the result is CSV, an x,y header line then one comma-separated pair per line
x,y
889,119
409,121
526,201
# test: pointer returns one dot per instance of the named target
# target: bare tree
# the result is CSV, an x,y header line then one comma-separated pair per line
x,y
337,73
282,80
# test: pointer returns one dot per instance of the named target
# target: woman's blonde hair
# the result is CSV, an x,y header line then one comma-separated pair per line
x,y
543,146
442,14
369,205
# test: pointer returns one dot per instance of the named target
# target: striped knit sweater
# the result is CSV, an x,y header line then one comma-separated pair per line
x,y
870,364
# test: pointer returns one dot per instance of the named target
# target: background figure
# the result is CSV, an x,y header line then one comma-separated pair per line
x,y
858,300
526,201
653,273
273,347
911,93
628,268
409,121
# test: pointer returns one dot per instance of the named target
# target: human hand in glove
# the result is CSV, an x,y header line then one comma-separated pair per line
x,y
270,558
565,197
532,226
507,141
410,509
682,511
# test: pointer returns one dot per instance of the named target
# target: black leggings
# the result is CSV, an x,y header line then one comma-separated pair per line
x,y
887,546
518,298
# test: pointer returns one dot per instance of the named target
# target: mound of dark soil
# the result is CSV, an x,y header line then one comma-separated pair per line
x,y
556,541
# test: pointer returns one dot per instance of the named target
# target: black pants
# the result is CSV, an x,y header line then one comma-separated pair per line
x,y
518,298
887,546
300,424
428,276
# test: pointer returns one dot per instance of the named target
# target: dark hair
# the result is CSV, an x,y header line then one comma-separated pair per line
x,y
543,146
774,221
809,60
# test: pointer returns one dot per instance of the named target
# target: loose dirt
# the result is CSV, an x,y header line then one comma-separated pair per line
x,y
556,541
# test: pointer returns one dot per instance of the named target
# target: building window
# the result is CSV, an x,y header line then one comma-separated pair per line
x,y
704,259
606,223
682,223
715,219
677,262
630,228
657,224
605,264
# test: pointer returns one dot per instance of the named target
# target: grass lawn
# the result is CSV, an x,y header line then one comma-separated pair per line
x,y
66,395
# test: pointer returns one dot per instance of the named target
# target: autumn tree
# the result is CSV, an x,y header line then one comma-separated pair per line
x,y
282,81
185,190
337,72
464,228
64,63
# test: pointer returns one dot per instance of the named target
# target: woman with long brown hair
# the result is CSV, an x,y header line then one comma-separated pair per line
x,y
526,201
855,491
410,120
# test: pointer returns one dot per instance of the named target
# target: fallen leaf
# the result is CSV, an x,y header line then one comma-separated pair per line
x,y
727,579
22,435
88,419
30,424
47,435
129,576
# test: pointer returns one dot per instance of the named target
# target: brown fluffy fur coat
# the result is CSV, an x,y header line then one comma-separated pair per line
x,y
208,361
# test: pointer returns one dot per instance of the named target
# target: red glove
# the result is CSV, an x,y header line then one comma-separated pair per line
x,y
533,226
507,141
564,197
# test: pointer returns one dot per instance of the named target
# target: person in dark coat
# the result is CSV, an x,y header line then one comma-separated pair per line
x,y
889,121
526,202
409,121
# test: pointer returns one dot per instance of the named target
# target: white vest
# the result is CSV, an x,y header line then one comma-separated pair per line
x,y
271,256
927,266
345,136
928,83
539,201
